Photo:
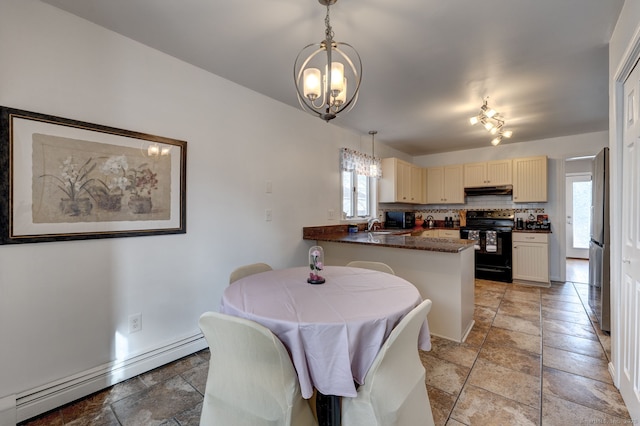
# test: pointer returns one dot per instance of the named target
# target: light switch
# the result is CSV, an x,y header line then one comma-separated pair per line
x,y
267,215
269,187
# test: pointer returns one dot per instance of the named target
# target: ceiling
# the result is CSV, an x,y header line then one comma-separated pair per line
x,y
427,65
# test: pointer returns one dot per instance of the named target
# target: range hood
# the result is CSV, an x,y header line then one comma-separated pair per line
x,y
489,190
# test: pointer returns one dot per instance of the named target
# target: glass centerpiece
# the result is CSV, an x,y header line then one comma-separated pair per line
x,y
316,263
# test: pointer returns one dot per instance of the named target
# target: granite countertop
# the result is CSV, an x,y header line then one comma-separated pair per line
x,y
397,238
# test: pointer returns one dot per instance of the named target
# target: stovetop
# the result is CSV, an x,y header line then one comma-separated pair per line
x,y
502,220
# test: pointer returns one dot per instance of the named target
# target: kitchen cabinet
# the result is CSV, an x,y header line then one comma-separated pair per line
x,y
445,185
441,233
491,173
530,179
401,182
530,257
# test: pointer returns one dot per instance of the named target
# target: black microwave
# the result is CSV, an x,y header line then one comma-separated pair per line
x,y
399,220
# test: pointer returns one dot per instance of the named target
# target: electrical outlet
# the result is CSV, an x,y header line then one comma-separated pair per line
x,y
269,188
267,215
135,323
331,214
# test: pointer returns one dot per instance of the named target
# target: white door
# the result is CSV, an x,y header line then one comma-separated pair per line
x,y
578,210
629,327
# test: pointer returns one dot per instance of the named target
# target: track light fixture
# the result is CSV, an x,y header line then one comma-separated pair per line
x,y
493,122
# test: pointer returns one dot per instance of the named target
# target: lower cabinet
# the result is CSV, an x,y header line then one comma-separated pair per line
x,y
531,257
441,233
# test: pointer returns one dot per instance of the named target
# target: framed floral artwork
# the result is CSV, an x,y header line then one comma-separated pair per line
x,y
62,179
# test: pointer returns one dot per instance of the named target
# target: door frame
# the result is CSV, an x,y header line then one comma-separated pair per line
x,y
616,142
570,251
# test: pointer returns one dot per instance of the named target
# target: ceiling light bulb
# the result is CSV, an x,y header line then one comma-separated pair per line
x,y
491,113
507,133
496,141
493,130
488,126
153,149
312,83
474,120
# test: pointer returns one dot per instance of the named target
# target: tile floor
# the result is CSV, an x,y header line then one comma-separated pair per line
x,y
533,358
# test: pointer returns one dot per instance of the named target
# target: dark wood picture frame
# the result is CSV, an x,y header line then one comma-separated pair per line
x,y
63,179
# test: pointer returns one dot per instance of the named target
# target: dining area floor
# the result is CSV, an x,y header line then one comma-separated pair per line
x,y
533,357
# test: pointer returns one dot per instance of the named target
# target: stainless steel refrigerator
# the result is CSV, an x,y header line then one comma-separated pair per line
x,y
599,288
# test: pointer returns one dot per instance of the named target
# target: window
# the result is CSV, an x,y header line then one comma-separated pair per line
x,y
356,200
357,172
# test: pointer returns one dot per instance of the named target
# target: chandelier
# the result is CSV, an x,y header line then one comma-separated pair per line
x,y
493,122
327,75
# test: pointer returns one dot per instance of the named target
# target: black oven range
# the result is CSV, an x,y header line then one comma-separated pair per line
x,y
491,229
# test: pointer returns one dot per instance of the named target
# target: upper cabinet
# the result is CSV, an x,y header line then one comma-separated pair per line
x,y
491,173
530,179
445,185
401,182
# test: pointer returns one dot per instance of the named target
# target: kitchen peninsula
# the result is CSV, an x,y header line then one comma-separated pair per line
x,y
441,268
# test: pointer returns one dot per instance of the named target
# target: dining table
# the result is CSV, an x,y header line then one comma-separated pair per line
x,y
333,331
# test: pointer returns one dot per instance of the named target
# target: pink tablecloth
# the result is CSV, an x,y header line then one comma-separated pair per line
x,y
332,330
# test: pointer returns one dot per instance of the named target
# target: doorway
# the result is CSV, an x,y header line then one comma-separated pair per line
x,y
578,208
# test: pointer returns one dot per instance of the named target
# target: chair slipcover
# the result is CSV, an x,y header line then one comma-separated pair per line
x,y
245,270
394,391
251,378
376,266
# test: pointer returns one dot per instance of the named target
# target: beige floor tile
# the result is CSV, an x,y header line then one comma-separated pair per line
x,y
478,334
444,375
451,351
517,324
158,403
563,306
452,422
484,313
197,376
480,407
561,297
488,298
165,372
495,286
560,412
525,296
520,308
570,328
93,405
505,382
575,344
441,404
571,362
512,358
514,339
104,417
584,391
575,317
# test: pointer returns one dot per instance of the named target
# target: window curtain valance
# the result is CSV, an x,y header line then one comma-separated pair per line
x,y
359,162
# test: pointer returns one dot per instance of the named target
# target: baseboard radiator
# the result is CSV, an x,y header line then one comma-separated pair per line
x,y
52,395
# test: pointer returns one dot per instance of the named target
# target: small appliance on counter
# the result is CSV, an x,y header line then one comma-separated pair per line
x,y
399,220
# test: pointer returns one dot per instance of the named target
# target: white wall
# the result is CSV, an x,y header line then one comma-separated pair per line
x,y
62,304
557,150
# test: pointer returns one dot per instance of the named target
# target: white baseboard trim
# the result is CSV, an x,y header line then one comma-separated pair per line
x,y
8,411
55,394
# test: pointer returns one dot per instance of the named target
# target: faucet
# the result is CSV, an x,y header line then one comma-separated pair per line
x,y
371,222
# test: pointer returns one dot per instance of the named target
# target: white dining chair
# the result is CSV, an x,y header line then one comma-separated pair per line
x,y
376,266
251,379
246,270
394,391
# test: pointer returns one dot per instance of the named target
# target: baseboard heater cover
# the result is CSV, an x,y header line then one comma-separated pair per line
x,y
55,394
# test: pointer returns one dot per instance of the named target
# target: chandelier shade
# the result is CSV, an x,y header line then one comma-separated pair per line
x,y
327,75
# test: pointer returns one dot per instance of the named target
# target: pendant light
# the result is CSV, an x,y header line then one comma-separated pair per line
x,y
327,75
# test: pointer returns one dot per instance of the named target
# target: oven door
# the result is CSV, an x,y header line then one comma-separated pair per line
x,y
493,253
